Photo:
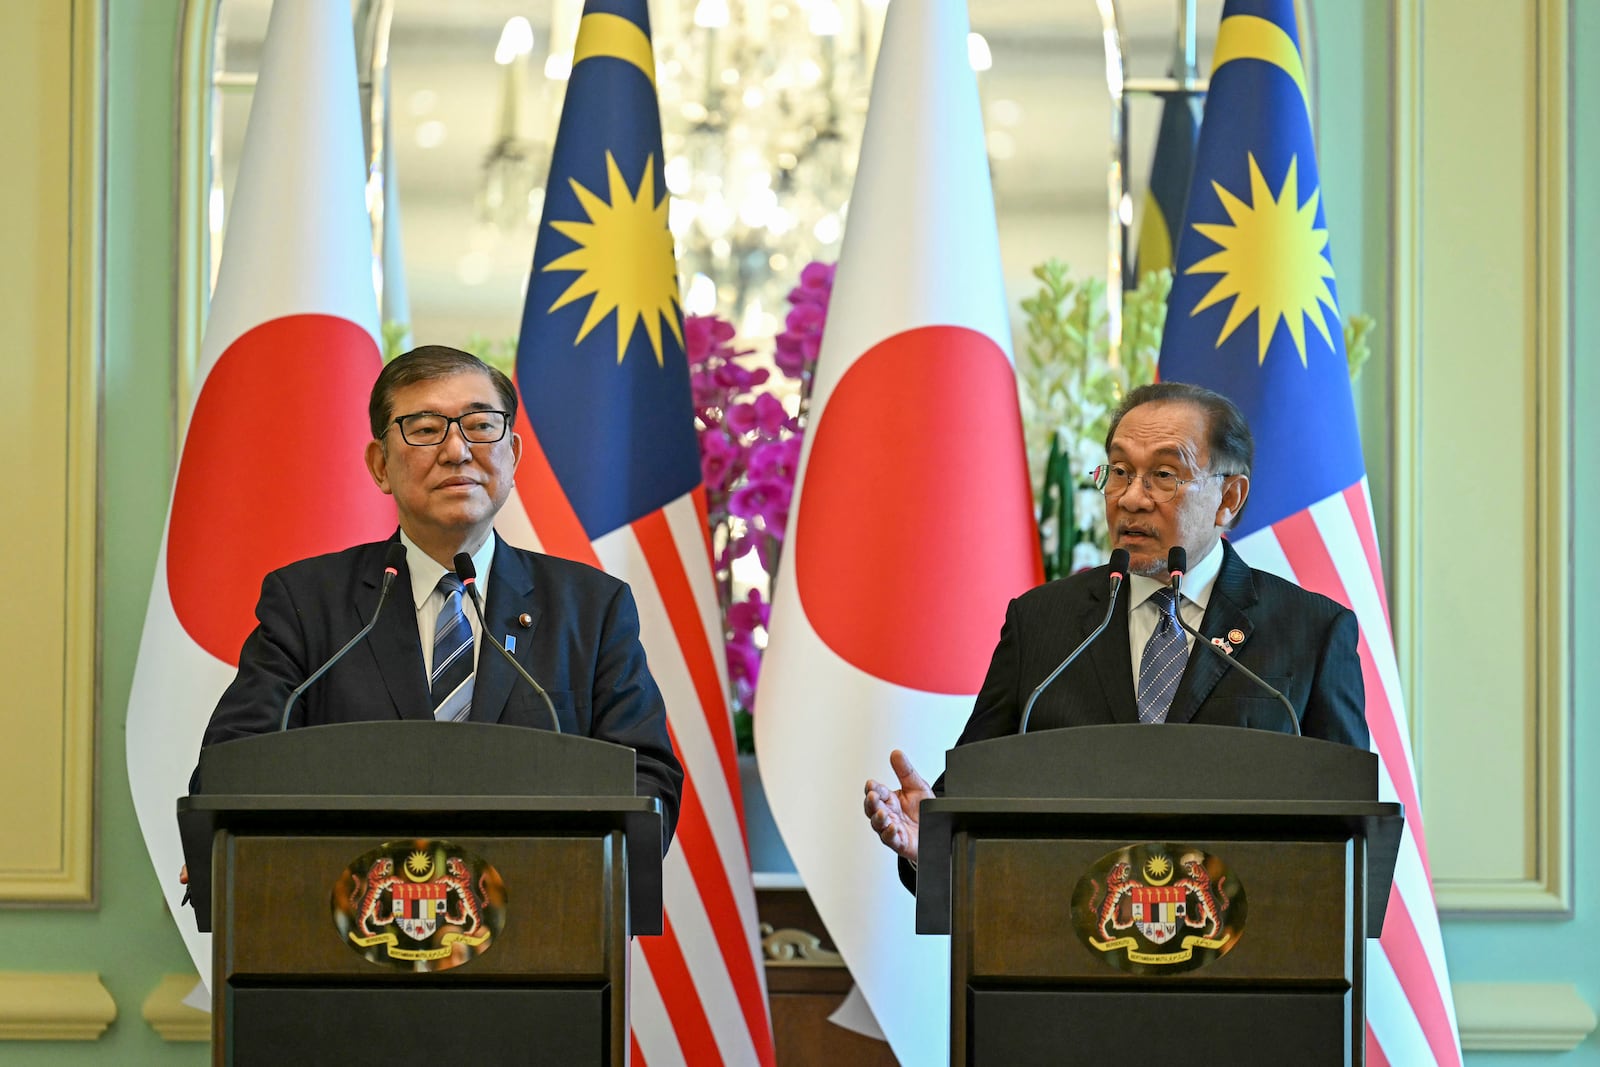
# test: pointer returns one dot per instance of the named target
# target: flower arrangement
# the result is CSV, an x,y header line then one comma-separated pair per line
x,y
749,455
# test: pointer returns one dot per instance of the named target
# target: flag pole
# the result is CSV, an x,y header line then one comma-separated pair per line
x,y
1186,80
1120,215
374,19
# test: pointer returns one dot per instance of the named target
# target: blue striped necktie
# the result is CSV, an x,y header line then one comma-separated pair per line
x,y
451,680
1161,666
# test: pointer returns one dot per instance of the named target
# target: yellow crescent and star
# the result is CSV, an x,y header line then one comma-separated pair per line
x,y
1271,257
624,257
421,867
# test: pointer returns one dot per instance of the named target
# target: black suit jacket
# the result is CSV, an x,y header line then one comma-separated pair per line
x,y
582,646
1299,642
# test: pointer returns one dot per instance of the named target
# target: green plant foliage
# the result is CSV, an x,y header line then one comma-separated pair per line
x,y
1357,346
1070,387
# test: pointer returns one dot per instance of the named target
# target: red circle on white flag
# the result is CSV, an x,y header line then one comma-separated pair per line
x,y
916,522
271,471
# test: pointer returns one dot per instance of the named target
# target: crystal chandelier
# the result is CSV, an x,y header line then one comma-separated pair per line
x,y
762,109
511,192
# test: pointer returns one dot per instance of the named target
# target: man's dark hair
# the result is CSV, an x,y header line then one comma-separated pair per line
x,y
426,364
1229,444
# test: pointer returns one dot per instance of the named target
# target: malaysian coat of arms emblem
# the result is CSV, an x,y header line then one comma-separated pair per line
x,y
419,905
1158,908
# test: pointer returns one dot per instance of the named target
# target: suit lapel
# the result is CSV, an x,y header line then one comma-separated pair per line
x,y
510,596
394,641
1233,594
1109,655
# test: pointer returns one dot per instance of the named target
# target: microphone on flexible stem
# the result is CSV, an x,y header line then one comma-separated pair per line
x,y
469,578
392,559
1177,563
1119,572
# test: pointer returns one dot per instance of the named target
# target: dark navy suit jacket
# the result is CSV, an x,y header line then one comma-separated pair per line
x,y
582,646
1299,642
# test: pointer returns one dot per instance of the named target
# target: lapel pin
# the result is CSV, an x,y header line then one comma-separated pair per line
x,y
1227,649
511,644
524,620
1236,637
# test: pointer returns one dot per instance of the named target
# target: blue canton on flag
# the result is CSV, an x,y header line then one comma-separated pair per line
x,y
1254,308
602,318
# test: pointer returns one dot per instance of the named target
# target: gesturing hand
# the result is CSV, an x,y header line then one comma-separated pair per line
x,y
893,813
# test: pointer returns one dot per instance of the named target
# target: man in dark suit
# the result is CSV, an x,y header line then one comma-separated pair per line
x,y
443,448
1177,473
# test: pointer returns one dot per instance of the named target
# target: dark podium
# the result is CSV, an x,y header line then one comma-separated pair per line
x,y
1186,892
410,891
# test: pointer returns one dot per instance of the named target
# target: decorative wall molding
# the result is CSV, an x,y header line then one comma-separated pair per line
x,y
53,1007
53,306
1482,376
169,1016
1521,1017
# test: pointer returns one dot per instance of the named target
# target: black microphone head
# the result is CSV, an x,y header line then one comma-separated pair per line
x,y
394,557
1119,563
464,568
1177,560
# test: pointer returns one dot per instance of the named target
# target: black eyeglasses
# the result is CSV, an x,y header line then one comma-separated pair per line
x,y
430,428
1113,479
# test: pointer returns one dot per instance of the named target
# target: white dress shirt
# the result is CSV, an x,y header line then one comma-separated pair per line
x,y
1144,615
425,574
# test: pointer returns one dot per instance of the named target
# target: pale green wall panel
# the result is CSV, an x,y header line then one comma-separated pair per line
x,y
1566,950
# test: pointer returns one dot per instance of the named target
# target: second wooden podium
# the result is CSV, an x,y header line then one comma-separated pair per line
x,y
1194,893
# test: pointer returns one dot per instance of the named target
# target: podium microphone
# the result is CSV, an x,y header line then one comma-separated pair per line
x,y
469,578
392,559
1119,572
1177,564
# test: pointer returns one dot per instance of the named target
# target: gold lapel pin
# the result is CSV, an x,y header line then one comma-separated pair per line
x,y
524,620
1236,636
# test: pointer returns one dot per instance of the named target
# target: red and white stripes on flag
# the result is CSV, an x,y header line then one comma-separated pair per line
x,y
697,992
1331,548
289,355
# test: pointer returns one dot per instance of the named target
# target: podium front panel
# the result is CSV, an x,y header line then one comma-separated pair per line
x,y
344,1024
1016,903
278,903
1048,1028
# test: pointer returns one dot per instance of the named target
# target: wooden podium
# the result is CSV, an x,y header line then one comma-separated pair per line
x,y
394,891
1185,892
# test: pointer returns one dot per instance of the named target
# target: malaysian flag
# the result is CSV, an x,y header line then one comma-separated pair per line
x,y
610,476
1254,315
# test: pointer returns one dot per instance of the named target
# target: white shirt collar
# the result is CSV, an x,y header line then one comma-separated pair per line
x,y
1197,582
426,571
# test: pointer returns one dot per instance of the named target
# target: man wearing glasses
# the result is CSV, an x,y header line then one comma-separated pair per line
x,y
443,448
1177,473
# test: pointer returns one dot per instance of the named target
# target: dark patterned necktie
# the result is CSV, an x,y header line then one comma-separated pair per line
x,y
1162,663
451,680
